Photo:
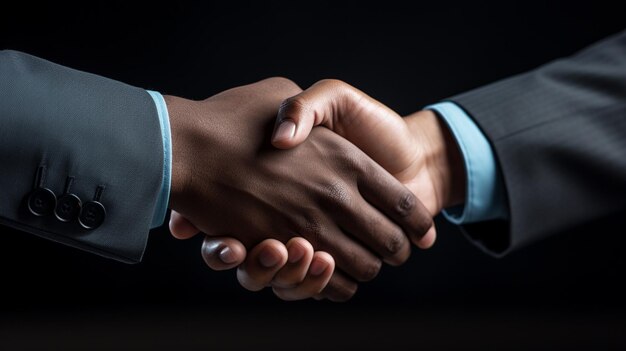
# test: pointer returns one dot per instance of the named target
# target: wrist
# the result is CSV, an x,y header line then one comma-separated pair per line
x,y
442,157
179,111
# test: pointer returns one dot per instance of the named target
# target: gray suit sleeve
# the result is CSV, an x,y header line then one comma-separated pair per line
x,y
559,135
102,133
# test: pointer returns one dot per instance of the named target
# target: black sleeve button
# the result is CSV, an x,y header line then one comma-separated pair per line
x,y
92,215
68,205
41,202
93,212
68,208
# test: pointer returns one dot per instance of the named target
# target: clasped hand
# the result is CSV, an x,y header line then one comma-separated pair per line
x,y
344,201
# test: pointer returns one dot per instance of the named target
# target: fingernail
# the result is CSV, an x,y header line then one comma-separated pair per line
x,y
268,258
295,252
318,267
285,131
227,255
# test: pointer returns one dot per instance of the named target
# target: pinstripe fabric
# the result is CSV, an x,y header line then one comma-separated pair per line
x,y
559,135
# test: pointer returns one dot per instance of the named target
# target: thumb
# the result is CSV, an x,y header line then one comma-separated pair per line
x,y
222,253
371,126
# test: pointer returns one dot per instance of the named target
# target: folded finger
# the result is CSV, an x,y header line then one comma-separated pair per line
x,y
262,264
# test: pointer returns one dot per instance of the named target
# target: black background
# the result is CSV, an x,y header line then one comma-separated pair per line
x,y
564,291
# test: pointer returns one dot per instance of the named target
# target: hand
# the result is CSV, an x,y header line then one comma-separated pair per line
x,y
227,182
294,271
418,149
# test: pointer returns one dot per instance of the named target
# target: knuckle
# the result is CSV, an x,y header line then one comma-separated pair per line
x,y
344,89
406,204
293,107
390,238
333,83
285,85
395,243
338,193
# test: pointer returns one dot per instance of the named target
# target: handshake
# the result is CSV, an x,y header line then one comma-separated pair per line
x,y
310,212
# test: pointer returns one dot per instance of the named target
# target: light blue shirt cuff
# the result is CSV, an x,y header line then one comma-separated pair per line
x,y
485,195
164,121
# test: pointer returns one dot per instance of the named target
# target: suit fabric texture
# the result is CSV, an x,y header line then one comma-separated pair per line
x,y
102,134
559,136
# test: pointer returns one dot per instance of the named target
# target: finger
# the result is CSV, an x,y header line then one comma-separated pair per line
x,y
350,256
319,273
340,288
180,227
362,120
363,222
222,253
262,264
300,253
428,240
395,200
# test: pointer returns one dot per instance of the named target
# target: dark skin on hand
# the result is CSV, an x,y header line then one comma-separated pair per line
x,y
228,180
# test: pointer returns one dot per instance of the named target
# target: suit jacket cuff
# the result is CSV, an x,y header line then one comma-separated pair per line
x,y
163,198
485,198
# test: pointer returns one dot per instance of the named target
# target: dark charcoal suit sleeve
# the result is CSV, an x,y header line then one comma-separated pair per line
x,y
103,133
559,135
